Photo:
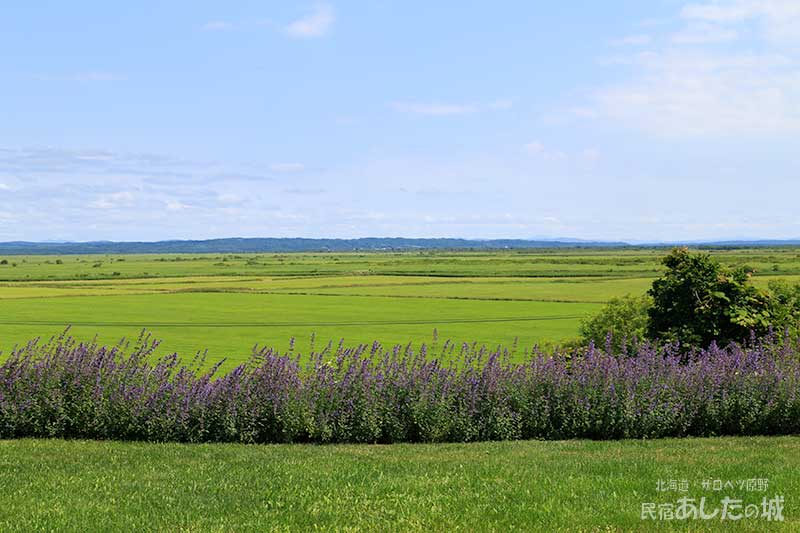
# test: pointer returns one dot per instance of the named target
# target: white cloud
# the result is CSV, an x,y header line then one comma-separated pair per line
x,y
287,167
692,92
741,10
10,184
728,71
229,199
703,33
218,25
444,109
94,156
317,24
60,183
501,104
719,12
779,20
295,190
633,40
584,112
534,147
175,205
538,149
591,154
438,109
113,200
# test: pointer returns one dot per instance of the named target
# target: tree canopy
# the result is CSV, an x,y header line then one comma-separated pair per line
x,y
698,300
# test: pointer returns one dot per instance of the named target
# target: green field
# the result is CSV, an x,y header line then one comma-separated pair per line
x,y
501,486
229,303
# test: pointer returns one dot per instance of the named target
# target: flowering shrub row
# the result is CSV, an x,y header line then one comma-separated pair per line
x,y
373,394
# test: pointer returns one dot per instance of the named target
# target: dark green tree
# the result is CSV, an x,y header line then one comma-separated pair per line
x,y
698,300
785,307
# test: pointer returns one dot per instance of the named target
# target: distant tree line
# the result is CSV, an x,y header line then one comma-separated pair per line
x,y
281,245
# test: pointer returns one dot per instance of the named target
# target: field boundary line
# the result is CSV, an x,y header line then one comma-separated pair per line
x,y
285,324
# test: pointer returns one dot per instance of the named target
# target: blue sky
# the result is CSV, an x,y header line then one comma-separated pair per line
x,y
658,120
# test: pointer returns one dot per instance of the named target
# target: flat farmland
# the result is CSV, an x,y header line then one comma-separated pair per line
x,y
229,303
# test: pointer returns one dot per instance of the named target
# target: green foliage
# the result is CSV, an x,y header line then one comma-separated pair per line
x,y
785,307
698,300
624,318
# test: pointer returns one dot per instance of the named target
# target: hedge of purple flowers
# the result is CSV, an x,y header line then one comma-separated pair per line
x,y
63,388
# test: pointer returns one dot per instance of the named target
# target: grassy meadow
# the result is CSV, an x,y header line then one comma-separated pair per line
x,y
498,486
229,303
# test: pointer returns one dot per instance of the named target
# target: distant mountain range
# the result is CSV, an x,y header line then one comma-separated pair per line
x,y
280,245
238,245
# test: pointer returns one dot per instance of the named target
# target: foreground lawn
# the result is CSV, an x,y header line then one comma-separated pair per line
x,y
533,486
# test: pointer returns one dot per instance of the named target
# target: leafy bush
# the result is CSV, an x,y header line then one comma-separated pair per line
x,y
372,394
623,321
785,307
698,301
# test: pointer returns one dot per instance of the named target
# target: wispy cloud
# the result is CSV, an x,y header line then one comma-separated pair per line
x,y
113,200
305,191
176,205
538,149
591,154
501,104
633,40
317,24
230,199
437,109
9,184
287,167
62,190
778,20
726,71
443,109
704,33
541,151
218,25
583,112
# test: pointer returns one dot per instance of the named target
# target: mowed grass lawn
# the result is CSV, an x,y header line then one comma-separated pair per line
x,y
500,486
